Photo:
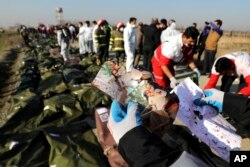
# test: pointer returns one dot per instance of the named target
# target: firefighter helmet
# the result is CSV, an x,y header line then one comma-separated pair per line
x,y
119,25
100,22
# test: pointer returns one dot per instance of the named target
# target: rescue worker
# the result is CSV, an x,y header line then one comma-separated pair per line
x,y
231,66
236,106
130,43
117,42
80,35
63,40
72,30
169,31
100,41
108,29
178,49
94,27
88,40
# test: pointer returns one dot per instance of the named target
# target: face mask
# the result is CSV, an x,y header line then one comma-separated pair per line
x,y
121,29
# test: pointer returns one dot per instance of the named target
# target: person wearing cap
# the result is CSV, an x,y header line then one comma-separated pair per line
x,y
130,43
230,66
150,41
211,45
117,43
100,41
177,49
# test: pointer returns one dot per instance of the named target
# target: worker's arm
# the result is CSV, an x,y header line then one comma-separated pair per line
x,y
191,65
246,90
167,72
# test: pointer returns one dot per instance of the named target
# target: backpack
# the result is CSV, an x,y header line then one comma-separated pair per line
x,y
66,33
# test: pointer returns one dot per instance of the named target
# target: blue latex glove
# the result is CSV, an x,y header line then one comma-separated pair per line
x,y
197,72
212,97
122,119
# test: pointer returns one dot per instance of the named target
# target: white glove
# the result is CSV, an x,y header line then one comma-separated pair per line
x,y
212,97
173,82
197,72
122,119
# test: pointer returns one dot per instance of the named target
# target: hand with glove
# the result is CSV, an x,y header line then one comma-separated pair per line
x,y
197,72
122,119
173,82
212,97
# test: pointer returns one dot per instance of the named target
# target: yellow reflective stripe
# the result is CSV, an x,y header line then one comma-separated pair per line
x,y
99,36
118,39
118,48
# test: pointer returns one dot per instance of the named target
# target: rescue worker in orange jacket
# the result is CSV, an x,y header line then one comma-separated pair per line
x,y
177,49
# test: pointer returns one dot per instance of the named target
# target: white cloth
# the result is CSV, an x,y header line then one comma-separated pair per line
x,y
169,32
81,40
93,37
88,38
72,29
129,45
173,48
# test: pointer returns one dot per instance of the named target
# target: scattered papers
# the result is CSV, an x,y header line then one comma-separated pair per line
x,y
205,122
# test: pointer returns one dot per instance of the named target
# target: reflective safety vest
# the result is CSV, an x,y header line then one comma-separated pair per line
x,y
99,37
116,41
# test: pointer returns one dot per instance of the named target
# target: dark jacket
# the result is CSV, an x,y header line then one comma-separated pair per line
x,y
139,147
238,108
100,37
151,37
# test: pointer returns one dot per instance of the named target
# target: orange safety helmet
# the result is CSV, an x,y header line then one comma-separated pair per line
x,y
119,25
